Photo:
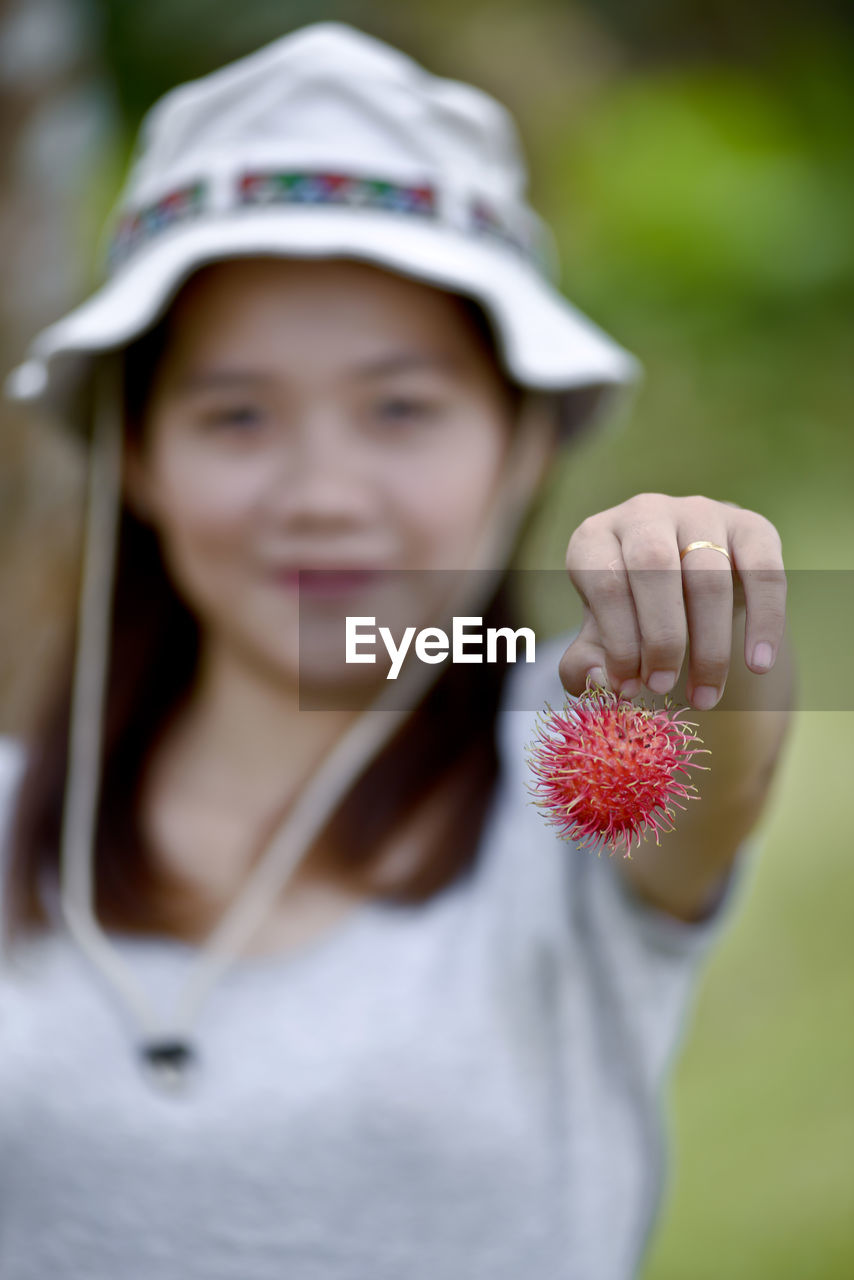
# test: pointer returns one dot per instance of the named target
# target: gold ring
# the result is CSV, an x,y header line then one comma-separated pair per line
x,y
695,546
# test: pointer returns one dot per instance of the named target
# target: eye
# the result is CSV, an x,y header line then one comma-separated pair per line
x,y
237,417
405,409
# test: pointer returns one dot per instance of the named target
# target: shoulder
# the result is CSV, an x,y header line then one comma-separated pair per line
x,y
529,687
522,863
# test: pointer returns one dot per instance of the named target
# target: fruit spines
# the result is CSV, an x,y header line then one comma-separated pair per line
x,y
605,769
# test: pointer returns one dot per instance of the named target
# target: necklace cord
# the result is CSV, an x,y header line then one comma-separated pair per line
x,y
330,782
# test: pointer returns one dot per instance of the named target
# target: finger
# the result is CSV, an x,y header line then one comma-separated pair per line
x,y
758,558
651,557
596,569
584,657
708,587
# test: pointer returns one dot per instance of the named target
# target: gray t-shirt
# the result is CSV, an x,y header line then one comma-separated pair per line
x,y
469,1089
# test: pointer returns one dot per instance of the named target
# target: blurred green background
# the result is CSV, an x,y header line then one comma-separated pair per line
x,y
695,162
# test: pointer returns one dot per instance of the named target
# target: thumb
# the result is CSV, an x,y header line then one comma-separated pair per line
x,y
585,655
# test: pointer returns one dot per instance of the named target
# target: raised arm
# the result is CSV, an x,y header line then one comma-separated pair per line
x,y
646,603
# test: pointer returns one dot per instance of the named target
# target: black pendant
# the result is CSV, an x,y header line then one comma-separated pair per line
x,y
168,1063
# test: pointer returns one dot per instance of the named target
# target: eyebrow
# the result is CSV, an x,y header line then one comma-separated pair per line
x,y
396,362
403,361
208,379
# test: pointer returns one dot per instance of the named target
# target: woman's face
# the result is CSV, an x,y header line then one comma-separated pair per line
x,y
315,415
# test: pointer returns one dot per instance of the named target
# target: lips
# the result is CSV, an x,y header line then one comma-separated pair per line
x,y
329,582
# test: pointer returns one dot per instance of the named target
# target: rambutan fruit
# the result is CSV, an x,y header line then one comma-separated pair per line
x,y
606,770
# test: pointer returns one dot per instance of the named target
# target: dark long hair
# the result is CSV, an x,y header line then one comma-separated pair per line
x,y
446,745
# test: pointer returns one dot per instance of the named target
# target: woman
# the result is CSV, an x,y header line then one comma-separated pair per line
x,y
393,1026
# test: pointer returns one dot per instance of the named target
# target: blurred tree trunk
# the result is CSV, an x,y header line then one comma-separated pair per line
x,y
55,110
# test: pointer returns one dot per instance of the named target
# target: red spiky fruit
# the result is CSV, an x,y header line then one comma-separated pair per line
x,y
606,769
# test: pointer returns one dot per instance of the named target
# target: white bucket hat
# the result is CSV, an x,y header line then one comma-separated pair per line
x,y
328,142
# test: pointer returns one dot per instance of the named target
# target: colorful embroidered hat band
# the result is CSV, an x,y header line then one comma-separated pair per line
x,y
353,191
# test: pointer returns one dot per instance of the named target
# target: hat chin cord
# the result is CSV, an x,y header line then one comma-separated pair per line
x,y
165,1048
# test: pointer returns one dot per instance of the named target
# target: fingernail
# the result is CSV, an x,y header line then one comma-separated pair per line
x,y
705,697
661,681
630,688
763,655
597,675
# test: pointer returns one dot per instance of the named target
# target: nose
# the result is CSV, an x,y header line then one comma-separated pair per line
x,y
318,481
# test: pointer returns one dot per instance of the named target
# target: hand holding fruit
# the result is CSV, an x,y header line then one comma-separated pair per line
x,y
644,607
